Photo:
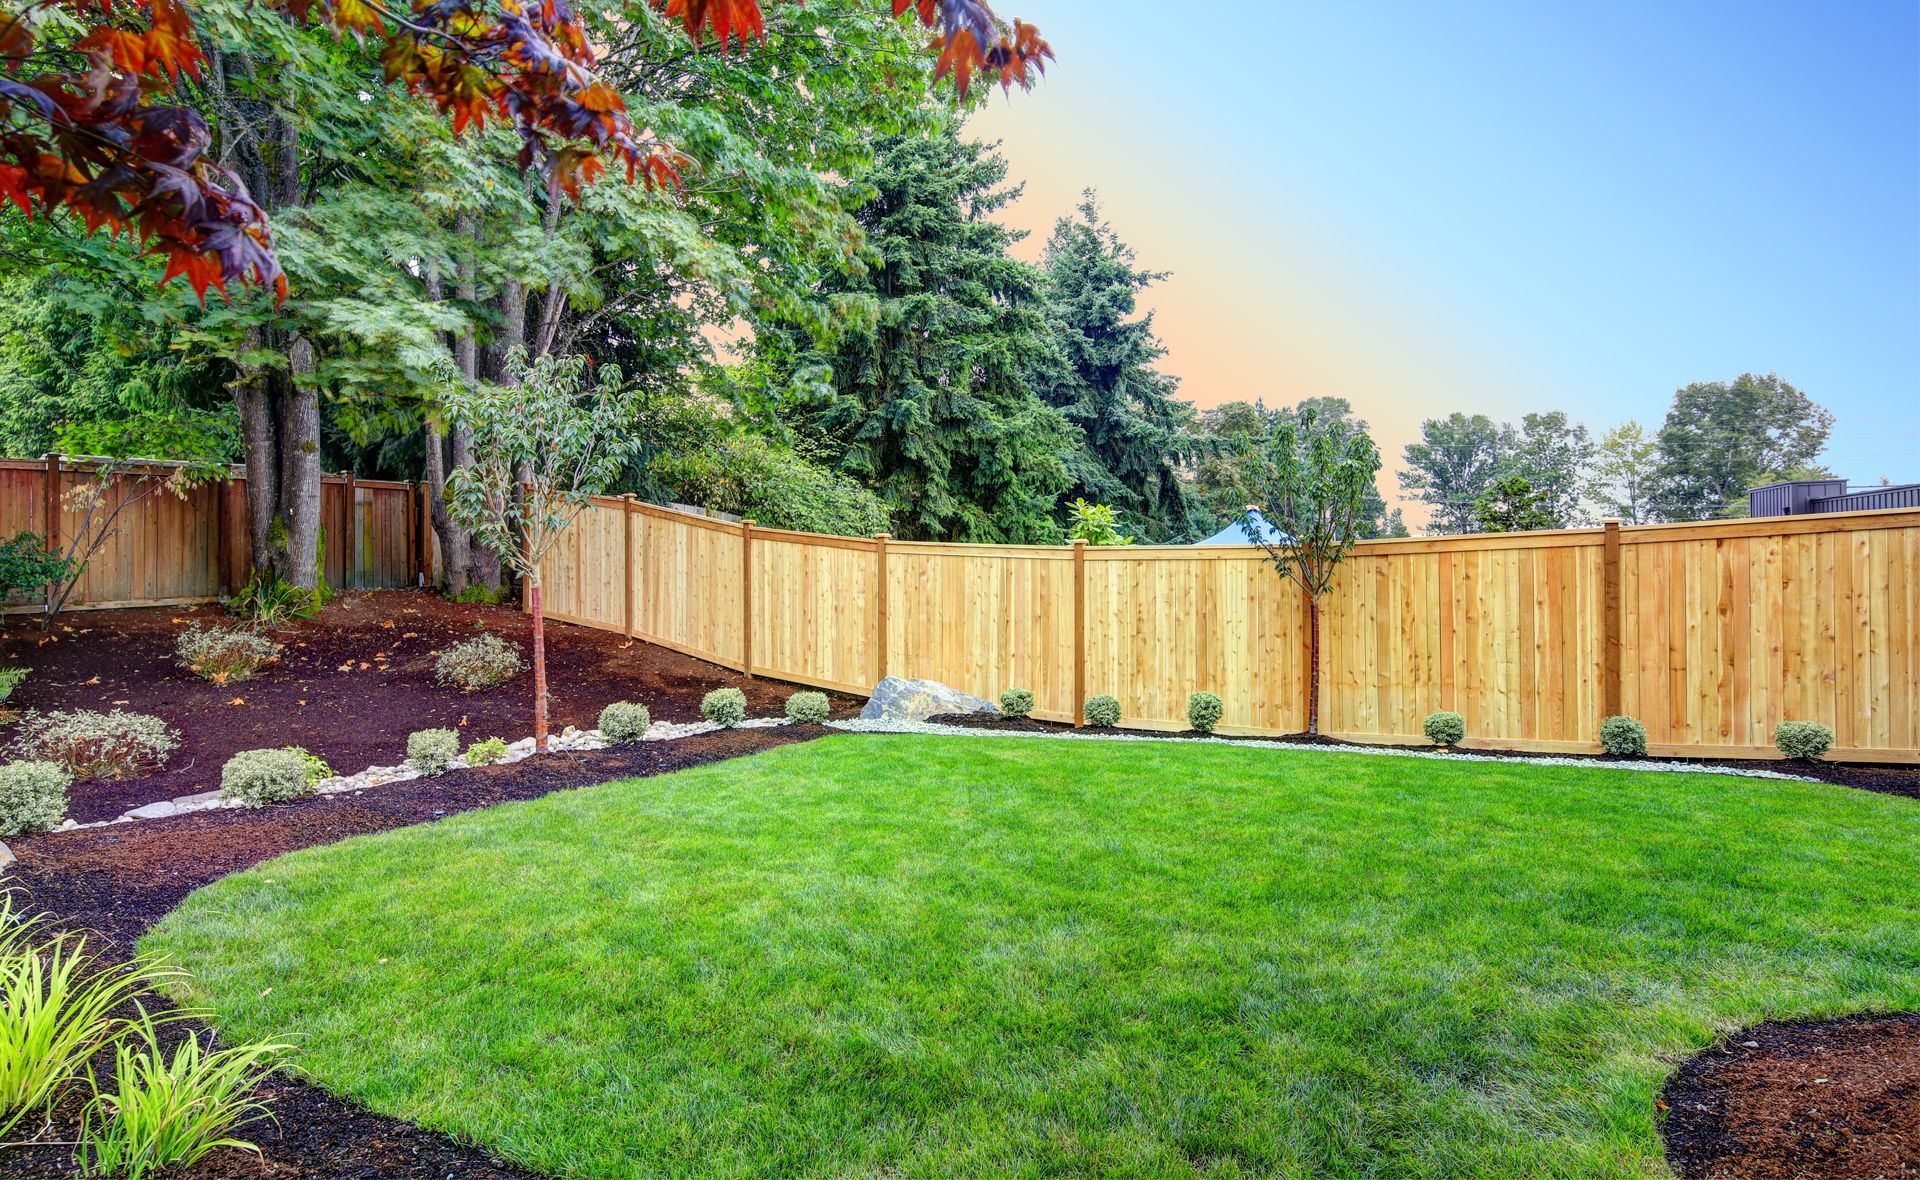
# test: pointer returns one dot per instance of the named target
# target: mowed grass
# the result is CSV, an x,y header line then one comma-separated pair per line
x,y
980,957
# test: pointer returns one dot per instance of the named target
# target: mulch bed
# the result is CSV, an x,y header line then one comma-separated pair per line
x,y
1886,779
1832,1098
117,881
350,687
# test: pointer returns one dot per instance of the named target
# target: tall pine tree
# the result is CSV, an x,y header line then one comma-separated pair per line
x,y
929,401
1105,382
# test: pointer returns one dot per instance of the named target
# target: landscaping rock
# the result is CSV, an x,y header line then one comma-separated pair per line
x,y
898,699
160,810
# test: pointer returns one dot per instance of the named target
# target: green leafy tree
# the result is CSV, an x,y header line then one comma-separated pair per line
x,y
1722,438
1228,444
1622,469
1311,482
926,398
1511,504
1135,429
543,444
1553,455
1457,458
1096,524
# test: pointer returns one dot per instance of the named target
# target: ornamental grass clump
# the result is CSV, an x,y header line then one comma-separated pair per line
x,y
1445,728
94,745
625,721
258,777
33,796
477,663
807,708
1623,737
1016,702
486,752
725,707
432,751
1803,739
225,654
1204,710
1102,710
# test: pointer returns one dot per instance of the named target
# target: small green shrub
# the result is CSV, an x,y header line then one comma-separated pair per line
x,y
432,751
1016,702
477,595
259,777
317,768
166,1113
1803,739
1445,728
486,753
807,708
625,721
33,796
1203,711
10,679
27,564
1102,710
725,707
224,654
271,602
94,745
1623,737
480,662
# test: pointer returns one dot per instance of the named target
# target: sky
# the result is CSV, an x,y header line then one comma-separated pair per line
x,y
1501,209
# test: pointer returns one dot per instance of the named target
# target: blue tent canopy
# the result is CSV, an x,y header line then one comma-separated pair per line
x,y
1234,534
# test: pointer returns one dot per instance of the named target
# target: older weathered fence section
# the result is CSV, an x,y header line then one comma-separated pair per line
x,y
1708,633
168,550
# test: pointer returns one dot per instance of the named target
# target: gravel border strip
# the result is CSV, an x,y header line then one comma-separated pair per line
x,y
864,725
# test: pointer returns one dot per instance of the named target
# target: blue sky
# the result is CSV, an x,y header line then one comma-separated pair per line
x,y
1503,208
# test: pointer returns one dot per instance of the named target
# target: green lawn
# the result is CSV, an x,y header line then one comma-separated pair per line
x,y
963,957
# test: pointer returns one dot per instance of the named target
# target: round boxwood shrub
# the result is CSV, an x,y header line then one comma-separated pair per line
x,y
1445,728
1803,739
1102,710
1203,711
259,777
33,796
224,654
625,721
94,745
1016,702
807,708
480,662
1623,737
431,751
725,707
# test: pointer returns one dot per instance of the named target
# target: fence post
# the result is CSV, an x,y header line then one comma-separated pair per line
x,y
1446,630
626,547
222,560
350,568
1612,623
1079,632
880,607
53,514
422,548
746,598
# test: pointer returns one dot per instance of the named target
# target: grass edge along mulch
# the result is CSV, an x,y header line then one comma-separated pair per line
x,y
983,957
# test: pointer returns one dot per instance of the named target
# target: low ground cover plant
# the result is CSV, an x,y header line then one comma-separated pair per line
x,y
1623,737
225,654
1016,702
432,751
33,796
93,745
725,707
1102,710
1445,728
1803,739
10,679
317,768
477,663
1204,711
272,602
259,777
807,708
625,721
486,752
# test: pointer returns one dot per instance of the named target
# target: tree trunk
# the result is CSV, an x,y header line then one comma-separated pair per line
x,y
536,605
1313,666
300,468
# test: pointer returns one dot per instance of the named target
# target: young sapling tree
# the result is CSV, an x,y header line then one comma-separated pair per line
x,y
1310,481
542,445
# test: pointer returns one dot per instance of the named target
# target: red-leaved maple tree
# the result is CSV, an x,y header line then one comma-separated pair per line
x,y
86,124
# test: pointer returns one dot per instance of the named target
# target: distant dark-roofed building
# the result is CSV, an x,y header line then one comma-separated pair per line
x,y
1801,496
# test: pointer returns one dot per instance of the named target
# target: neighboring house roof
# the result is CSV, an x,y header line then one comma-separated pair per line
x,y
1235,534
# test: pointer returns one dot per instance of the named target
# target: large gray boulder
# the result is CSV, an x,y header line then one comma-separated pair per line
x,y
898,699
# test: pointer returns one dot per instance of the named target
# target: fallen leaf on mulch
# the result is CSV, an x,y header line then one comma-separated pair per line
x,y
91,680
346,667
238,701
387,623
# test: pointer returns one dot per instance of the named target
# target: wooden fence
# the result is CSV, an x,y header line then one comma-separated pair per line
x,y
1708,633
168,550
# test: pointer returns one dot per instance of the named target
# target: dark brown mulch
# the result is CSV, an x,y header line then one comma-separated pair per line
x,y
117,881
1886,779
350,687
1831,1098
